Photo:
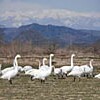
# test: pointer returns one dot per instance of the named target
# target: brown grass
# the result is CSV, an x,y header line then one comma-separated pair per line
x,y
53,89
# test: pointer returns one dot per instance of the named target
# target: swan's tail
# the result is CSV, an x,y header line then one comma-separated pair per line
x,y
69,74
97,76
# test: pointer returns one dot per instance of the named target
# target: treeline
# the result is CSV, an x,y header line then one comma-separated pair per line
x,y
25,48
28,48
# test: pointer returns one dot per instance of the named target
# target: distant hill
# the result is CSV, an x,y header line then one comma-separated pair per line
x,y
41,34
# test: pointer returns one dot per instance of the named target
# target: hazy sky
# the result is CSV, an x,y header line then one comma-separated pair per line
x,y
74,5
83,14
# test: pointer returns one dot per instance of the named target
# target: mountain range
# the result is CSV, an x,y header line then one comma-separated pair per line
x,y
58,17
42,34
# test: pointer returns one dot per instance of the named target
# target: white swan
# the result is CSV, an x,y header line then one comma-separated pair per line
x,y
57,71
44,66
88,69
43,74
31,71
97,76
76,72
11,73
39,63
66,69
20,69
26,68
10,68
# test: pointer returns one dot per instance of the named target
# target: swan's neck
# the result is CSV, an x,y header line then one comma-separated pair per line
x,y
0,68
51,67
72,61
50,62
39,64
43,62
91,64
15,63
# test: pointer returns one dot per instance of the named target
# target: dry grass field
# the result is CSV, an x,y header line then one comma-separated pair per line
x,y
53,89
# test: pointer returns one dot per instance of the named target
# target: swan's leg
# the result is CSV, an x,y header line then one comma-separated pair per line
x,y
18,74
10,81
74,79
84,75
66,74
59,76
61,73
62,76
46,78
87,75
55,76
31,78
93,75
42,81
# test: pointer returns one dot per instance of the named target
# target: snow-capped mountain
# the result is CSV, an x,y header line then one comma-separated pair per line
x,y
60,17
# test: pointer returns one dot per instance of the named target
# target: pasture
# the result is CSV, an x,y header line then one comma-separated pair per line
x,y
53,89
